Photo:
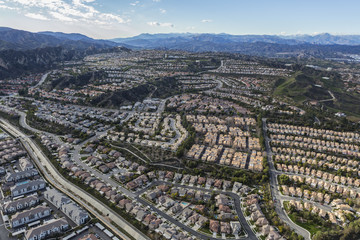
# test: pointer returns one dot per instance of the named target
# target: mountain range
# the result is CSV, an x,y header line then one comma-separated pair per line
x,y
24,40
150,40
23,51
321,45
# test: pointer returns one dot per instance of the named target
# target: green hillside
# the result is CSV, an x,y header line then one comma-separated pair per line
x,y
307,85
301,87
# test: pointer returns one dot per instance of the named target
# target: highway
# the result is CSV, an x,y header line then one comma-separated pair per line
x,y
97,208
275,191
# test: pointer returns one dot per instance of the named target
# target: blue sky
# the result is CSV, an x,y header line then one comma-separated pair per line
x,y
124,18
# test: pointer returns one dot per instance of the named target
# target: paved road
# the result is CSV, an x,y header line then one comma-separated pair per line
x,y
42,80
76,154
333,98
161,106
237,206
82,197
142,159
174,128
275,192
97,174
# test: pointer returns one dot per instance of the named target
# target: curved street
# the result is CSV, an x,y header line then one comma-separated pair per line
x,y
275,192
57,180
250,234
82,197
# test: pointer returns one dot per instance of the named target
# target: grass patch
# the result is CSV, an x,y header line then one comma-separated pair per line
x,y
308,221
312,228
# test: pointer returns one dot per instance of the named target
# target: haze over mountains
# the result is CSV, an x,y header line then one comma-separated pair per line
x,y
22,50
24,40
147,40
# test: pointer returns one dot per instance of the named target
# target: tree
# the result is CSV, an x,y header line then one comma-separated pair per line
x,y
284,179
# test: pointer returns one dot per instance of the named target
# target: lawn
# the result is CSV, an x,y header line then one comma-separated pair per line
x,y
312,228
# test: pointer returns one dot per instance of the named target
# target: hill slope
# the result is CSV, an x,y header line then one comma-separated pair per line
x,y
323,45
24,40
301,87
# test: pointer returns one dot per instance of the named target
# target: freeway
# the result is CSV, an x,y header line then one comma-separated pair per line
x,y
250,234
97,208
275,192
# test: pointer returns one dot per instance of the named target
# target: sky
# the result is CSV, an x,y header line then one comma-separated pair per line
x,y
108,19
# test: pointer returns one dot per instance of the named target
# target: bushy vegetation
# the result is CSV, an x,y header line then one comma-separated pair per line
x,y
190,140
159,88
268,208
311,222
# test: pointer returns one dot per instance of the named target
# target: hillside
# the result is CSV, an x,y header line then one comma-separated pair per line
x,y
149,40
23,40
321,46
76,81
16,63
326,88
300,88
160,89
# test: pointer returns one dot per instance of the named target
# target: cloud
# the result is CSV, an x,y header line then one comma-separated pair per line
x,y
206,20
62,17
157,24
67,11
135,3
4,6
109,16
163,11
7,7
156,0
36,16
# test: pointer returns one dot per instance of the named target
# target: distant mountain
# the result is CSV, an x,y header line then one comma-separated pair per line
x,y
154,40
14,63
23,52
69,36
322,45
147,40
79,37
327,39
24,40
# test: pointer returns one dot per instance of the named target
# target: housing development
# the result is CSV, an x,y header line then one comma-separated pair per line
x,y
158,144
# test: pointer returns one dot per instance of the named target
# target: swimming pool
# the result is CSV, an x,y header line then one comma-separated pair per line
x,y
185,204
21,183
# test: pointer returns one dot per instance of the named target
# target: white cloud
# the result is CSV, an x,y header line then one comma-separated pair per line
x,y
68,11
7,7
163,11
135,3
109,16
62,17
36,16
156,0
206,20
157,24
